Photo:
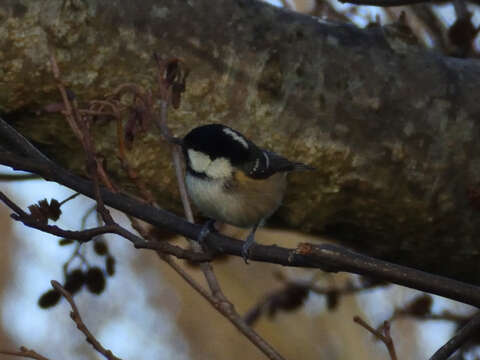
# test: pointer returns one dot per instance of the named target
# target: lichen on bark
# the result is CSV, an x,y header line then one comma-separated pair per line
x,y
390,127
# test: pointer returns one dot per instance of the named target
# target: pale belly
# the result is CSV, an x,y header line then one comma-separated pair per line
x,y
240,209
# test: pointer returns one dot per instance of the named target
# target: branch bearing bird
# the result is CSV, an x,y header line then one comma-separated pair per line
x,y
232,180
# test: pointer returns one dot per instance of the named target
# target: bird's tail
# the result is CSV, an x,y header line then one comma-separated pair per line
x,y
302,167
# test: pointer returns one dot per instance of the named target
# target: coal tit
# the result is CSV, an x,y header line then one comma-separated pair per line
x,y
232,180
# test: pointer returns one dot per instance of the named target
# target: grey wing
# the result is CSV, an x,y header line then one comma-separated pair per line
x,y
268,163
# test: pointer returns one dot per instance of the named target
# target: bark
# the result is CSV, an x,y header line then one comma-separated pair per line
x,y
390,127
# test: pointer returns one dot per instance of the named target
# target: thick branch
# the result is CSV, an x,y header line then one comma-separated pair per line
x,y
389,126
327,257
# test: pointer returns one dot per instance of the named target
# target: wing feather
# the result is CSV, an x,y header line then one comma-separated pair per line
x,y
267,163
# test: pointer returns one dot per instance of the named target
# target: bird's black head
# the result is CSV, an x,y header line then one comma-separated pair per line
x,y
219,141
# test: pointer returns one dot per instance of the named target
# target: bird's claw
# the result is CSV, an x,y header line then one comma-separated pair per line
x,y
245,251
207,228
248,245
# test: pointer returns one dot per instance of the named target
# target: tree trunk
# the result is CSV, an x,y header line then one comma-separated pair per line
x,y
390,127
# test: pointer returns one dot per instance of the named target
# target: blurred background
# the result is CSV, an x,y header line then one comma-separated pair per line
x,y
147,312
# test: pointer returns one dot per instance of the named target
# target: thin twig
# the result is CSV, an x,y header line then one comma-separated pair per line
x,y
69,115
71,197
466,332
81,129
225,308
443,316
385,337
95,169
75,315
89,234
25,353
233,316
205,267
76,253
293,294
162,124
218,299
132,175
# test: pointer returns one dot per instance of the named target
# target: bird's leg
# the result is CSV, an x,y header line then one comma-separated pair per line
x,y
248,243
207,228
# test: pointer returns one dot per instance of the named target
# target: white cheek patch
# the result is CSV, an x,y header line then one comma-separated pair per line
x,y
219,168
236,137
198,160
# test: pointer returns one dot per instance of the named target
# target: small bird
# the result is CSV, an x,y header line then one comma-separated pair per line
x,y
232,180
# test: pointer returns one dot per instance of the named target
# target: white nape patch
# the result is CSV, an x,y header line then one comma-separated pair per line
x,y
267,159
198,160
219,168
236,137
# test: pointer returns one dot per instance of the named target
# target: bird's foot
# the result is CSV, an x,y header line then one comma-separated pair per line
x,y
207,228
249,242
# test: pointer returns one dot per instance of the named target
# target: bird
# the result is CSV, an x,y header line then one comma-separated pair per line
x,y
231,180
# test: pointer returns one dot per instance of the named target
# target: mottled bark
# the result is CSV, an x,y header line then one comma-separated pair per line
x,y
390,127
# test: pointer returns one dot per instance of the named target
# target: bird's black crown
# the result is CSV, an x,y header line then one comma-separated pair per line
x,y
217,141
